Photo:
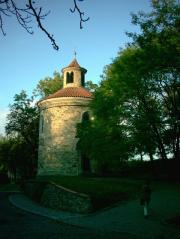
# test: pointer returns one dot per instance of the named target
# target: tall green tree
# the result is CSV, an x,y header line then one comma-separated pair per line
x,y
22,128
159,42
119,103
137,100
4,150
13,158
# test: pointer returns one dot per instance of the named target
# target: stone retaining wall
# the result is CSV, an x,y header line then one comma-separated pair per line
x,y
50,195
58,197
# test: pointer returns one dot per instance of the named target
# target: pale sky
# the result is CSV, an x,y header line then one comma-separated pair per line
x,y
25,59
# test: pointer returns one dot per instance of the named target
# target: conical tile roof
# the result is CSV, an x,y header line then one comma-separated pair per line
x,y
74,63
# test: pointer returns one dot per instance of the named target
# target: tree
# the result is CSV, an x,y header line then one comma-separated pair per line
x,y
159,42
23,118
3,154
28,11
136,104
15,158
49,85
129,99
106,150
22,128
18,153
91,86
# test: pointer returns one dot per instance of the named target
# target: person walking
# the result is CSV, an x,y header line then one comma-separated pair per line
x,y
146,198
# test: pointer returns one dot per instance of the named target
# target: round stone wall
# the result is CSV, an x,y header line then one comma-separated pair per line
x,y
57,135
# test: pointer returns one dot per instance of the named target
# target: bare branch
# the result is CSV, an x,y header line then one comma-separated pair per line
x,y
38,19
23,20
1,26
3,1
26,14
81,14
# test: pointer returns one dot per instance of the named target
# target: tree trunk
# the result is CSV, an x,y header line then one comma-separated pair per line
x,y
160,143
152,122
177,153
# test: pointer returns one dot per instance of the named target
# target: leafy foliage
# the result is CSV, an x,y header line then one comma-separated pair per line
x,y
49,85
22,129
91,86
136,106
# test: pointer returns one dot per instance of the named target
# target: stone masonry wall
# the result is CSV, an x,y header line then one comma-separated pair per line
x,y
58,197
57,136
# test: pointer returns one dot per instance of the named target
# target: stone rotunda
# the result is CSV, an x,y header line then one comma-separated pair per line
x,y
59,115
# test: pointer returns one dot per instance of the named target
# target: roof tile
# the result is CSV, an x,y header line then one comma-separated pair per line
x,y
74,63
71,92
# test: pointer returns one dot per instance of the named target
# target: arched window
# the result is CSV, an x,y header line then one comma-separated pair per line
x,y
85,116
69,77
82,79
42,124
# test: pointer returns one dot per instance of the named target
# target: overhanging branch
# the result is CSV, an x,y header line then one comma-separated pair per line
x,y
81,14
38,17
28,12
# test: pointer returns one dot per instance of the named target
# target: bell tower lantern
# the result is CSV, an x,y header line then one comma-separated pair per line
x,y
73,75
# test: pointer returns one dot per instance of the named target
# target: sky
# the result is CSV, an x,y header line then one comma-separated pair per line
x,y
25,59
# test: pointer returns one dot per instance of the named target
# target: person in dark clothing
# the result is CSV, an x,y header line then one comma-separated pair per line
x,y
146,198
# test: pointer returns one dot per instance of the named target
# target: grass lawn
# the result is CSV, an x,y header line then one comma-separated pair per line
x,y
10,187
103,192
